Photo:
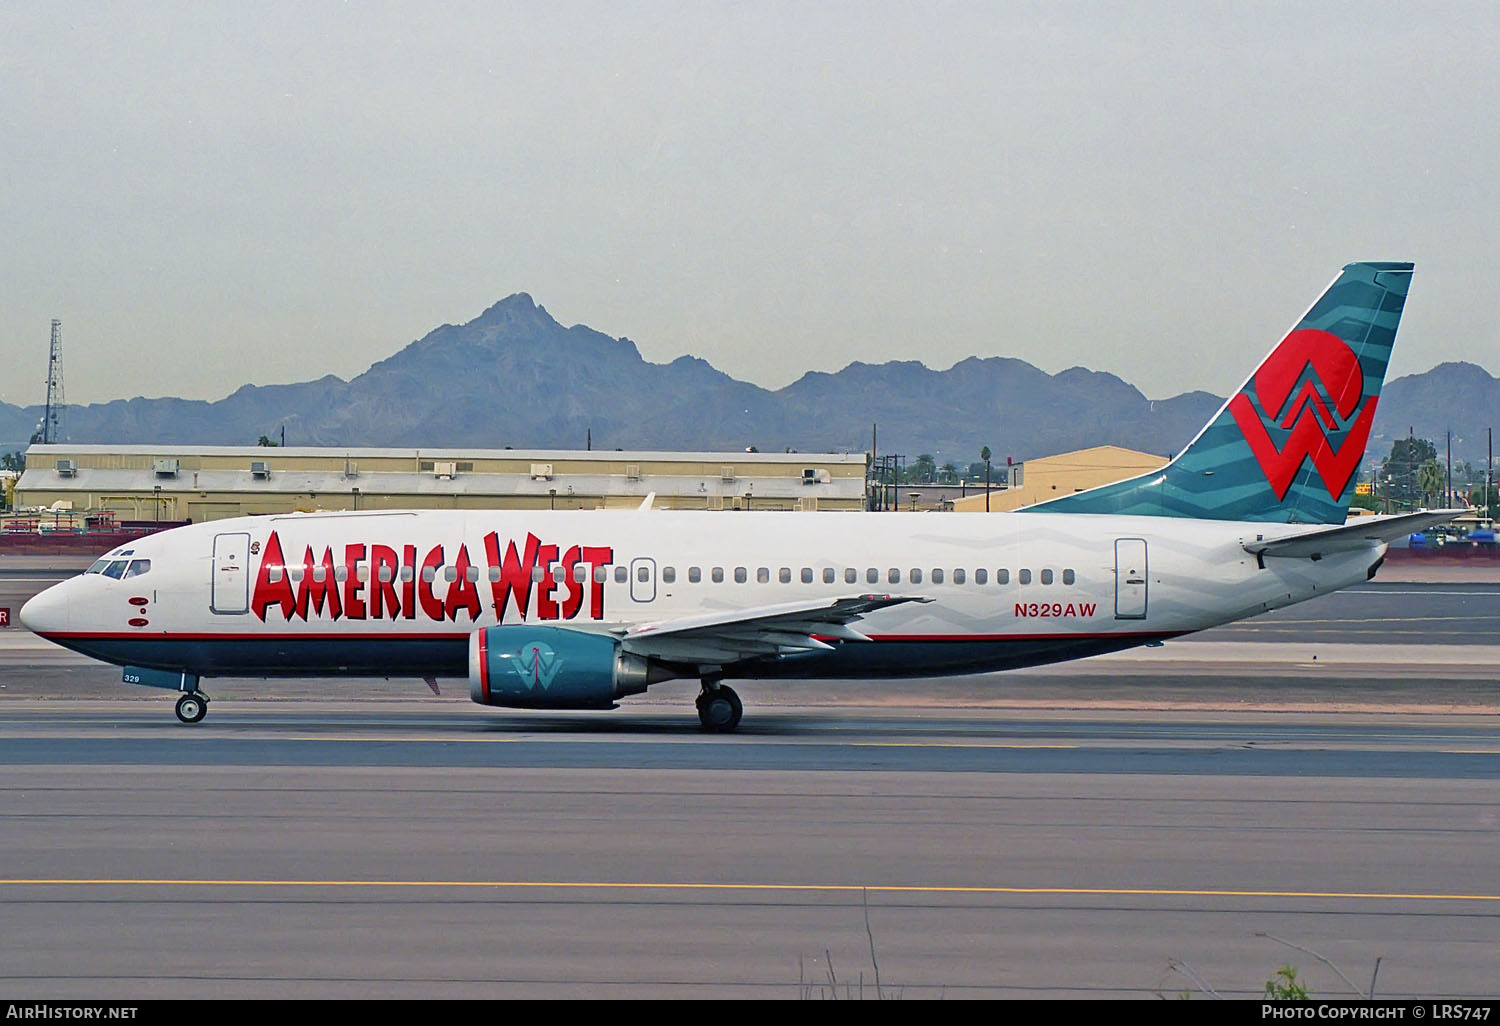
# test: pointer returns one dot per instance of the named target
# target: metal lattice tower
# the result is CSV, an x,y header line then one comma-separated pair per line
x,y
52,419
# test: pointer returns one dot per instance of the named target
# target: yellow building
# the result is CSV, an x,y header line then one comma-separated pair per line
x,y
1053,476
199,483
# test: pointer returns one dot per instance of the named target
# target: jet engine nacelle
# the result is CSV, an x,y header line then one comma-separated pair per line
x,y
527,667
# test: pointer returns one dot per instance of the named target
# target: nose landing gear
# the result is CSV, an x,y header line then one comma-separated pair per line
x,y
192,707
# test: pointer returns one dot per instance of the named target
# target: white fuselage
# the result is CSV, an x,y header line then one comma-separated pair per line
x,y
1004,590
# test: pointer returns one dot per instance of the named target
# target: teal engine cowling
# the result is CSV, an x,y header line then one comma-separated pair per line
x,y
525,667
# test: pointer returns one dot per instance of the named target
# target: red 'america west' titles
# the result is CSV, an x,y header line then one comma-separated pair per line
x,y
386,593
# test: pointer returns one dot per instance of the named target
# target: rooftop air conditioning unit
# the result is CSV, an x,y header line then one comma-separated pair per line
x,y
541,471
66,468
633,471
260,469
165,468
726,473
444,471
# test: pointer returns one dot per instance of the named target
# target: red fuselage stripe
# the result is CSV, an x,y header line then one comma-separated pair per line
x,y
462,635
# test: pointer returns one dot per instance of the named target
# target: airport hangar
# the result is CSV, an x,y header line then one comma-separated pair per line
x,y
202,483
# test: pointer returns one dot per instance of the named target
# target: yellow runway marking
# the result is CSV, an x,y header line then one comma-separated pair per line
x,y
577,885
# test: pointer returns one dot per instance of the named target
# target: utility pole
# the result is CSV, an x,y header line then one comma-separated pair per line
x,y
1449,503
1489,478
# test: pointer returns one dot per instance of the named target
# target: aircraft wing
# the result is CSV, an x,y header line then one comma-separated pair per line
x,y
732,635
1363,533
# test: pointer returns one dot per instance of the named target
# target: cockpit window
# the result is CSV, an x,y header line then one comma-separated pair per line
x,y
138,567
116,569
98,567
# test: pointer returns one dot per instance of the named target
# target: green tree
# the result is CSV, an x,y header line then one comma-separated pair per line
x,y
921,470
265,442
1430,481
13,461
1485,498
950,472
1398,472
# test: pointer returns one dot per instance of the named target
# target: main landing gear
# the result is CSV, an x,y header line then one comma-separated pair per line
x,y
719,708
192,707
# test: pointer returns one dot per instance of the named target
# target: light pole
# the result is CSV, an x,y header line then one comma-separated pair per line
x,y
984,454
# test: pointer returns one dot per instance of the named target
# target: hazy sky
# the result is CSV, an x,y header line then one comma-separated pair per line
x,y
213,193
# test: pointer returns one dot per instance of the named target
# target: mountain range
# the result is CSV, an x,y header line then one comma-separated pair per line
x,y
514,376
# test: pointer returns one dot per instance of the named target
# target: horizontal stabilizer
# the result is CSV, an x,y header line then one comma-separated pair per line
x,y
1361,534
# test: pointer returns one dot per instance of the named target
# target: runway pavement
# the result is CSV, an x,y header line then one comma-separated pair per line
x,y
1148,823
329,849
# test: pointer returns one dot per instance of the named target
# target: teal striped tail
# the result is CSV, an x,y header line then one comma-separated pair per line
x,y
1287,446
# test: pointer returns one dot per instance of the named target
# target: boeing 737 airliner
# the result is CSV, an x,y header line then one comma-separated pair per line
x,y
574,610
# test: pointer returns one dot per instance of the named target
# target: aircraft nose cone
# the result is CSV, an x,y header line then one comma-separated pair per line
x,y
46,611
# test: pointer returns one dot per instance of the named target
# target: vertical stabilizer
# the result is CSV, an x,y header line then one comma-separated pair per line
x,y
1287,445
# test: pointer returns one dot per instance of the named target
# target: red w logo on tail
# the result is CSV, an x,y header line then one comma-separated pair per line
x,y
1333,365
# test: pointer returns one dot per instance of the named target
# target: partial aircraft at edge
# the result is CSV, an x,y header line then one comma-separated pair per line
x,y
575,610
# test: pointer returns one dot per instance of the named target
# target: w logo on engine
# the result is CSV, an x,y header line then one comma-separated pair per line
x,y
536,664
1310,391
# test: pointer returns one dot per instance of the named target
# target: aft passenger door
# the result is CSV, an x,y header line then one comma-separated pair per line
x,y
231,583
1130,579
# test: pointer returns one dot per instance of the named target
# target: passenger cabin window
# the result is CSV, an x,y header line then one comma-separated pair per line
x,y
694,575
829,574
429,574
560,573
471,574
295,573
385,574
137,567
851,575
580,573
1025,576
916,575
893,576
739,575
643,573
273,574
981,577
958,577
1002,576
494,574
718,575
785,576
362,573
320,574
668,574
341,574
450,573
872,576
937,576
621,575
406,574
1046,576
763,575
601,574
1068,577
537,573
